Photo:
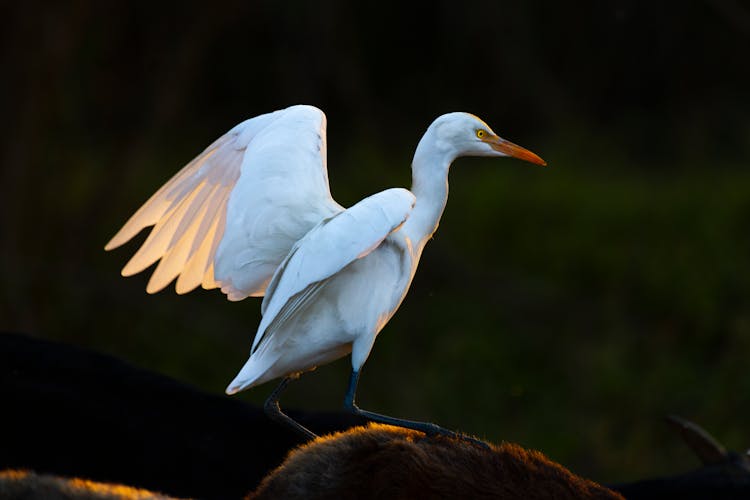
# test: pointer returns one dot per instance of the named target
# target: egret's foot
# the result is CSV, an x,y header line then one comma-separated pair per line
x,y
273,410
440,431
428,428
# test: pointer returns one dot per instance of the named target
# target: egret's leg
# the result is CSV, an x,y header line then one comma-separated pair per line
x,y
428,428
273,410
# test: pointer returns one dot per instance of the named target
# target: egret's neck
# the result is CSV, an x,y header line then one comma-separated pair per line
x,y
430,166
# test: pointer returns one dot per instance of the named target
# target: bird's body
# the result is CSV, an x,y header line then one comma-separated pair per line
x,y
347,314
253,215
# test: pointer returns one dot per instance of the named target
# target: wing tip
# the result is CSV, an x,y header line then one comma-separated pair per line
x,y
116,241
154,288
126,273
183,287
135,266
126,232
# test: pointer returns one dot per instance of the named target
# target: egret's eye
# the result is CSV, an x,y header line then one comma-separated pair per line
x,y
481,133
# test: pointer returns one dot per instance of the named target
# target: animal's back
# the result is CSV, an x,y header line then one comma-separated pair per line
x,y
389,462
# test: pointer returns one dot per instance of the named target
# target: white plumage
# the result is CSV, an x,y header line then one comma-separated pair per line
x,y
253,215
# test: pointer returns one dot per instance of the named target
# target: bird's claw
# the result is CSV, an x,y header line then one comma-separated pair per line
x,y
435,430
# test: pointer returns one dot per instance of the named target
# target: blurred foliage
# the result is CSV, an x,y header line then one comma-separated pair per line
x,y
568,309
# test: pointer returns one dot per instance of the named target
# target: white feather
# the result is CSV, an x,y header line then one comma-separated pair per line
x,y
281,194
253,215
321,303
267,177
331,246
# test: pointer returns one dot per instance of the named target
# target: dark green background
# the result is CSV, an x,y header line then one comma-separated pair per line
x,y
568,309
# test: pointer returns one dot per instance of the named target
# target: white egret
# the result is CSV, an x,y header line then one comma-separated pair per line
x,y
253,215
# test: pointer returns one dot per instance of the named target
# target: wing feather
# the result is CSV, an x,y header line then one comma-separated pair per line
x,y
164,199
209,278
182,246
228,218
169,209
293,305
198,261
284,173
162,239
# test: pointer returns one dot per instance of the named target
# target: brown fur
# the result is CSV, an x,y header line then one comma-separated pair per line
x,y
25,485
381,461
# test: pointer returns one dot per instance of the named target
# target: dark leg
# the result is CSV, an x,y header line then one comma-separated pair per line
x,y
428,428
273,410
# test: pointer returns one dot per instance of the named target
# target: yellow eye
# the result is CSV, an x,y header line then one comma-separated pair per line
x,y
480,133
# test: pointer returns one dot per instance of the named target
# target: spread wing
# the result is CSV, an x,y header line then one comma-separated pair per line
x,y
230,216
323,252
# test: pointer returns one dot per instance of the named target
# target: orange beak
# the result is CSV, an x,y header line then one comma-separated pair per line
x,y
513,150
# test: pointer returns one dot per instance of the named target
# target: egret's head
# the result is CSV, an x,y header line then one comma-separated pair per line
x,y
468,135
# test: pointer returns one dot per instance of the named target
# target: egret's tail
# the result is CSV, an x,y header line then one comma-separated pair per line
x,y
240,383
236,386
251,374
